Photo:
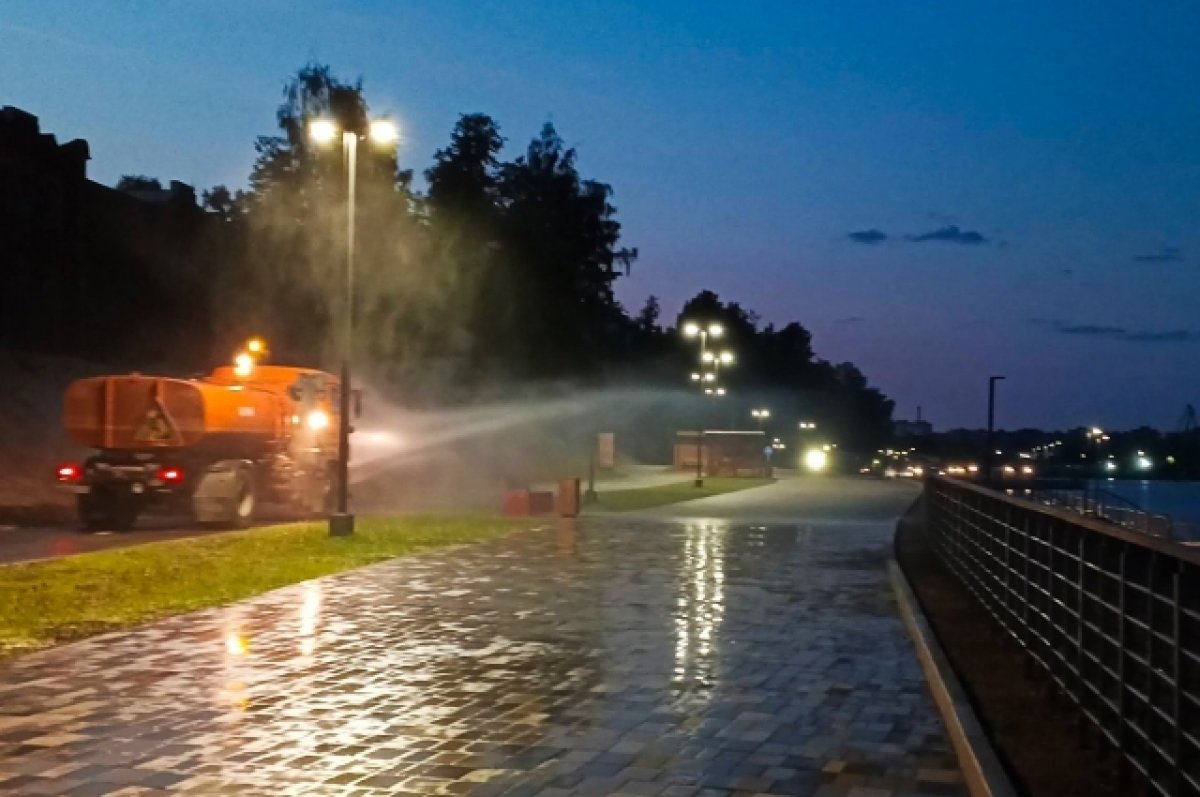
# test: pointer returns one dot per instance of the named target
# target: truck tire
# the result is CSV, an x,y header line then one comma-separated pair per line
x,y
226,495
245,501
107,510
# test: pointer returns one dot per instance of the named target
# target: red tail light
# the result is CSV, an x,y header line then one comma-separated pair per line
x,y
170,475
69,472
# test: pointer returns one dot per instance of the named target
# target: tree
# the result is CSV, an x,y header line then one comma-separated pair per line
x,y
780,366
221,203
647,319
293,286
463,178
558,235
138,182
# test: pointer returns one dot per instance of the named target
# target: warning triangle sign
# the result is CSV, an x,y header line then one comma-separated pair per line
x,y
154,428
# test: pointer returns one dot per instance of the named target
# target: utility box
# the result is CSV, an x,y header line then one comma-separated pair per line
x,y
568,498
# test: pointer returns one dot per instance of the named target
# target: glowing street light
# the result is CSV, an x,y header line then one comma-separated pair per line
x,y
693,329
384,131
322,131
381,132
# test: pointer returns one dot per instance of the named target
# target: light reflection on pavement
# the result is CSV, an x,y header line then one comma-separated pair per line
x,y
631,656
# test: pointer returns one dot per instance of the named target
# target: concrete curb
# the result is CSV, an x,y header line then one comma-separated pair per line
x,y
981,768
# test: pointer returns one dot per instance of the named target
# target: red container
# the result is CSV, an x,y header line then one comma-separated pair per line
x,y
516,503
541,503
568,498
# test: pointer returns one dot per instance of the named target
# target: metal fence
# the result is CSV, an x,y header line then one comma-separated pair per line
x,y
1113,615
1104,505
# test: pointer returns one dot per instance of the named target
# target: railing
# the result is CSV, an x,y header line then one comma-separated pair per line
x,y
1101,504
1113,616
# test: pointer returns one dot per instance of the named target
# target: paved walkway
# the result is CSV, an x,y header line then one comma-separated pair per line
x,y
620,656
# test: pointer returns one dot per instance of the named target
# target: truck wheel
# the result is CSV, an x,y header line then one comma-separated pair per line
x,y
245,500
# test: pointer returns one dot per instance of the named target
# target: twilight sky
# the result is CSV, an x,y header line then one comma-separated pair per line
x,y
939,191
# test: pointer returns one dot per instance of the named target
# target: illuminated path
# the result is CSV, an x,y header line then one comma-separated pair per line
x,y
633,656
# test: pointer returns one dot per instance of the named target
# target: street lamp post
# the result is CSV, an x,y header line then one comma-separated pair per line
x,y
987,459
691,330
324,131
1097,434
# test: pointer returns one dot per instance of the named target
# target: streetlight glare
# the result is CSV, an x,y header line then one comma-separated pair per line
x,y
384,131
691,329
707,357
727,357
322,131
716,330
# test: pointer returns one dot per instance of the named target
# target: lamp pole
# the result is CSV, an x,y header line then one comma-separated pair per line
x,y
341,521
991,448
691,329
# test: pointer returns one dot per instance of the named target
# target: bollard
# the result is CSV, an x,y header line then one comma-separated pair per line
x,y
568,497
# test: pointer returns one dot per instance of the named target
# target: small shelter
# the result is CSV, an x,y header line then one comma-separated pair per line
x,y
723,453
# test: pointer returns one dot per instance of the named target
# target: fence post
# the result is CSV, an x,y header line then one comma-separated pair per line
x,y
1177,672
1121,651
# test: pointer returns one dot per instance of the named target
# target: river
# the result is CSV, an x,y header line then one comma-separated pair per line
x,y
1178,500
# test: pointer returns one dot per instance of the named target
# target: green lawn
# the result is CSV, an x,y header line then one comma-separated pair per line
x,y
647,497
45,602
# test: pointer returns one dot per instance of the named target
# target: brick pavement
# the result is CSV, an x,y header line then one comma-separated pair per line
x,y
616,657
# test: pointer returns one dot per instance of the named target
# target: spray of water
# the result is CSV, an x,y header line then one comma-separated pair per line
x,y
469,454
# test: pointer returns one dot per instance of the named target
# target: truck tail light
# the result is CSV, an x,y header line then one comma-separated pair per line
x,y
170,475
68,472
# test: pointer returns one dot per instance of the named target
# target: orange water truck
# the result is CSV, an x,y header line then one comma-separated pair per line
x,y
214,447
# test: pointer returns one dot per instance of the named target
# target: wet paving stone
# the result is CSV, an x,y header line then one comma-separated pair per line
x,y
609,657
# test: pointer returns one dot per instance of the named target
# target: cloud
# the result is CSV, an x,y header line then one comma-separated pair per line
x,y
950,234
871,236
1167,254
850,319
1121,333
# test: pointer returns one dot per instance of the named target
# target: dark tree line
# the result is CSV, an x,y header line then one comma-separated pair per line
x,y
499,272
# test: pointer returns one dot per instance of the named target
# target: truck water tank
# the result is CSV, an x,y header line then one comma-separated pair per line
x,y
145,412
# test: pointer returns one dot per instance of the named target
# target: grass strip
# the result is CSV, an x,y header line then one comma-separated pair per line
x,y
648,497
52,601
